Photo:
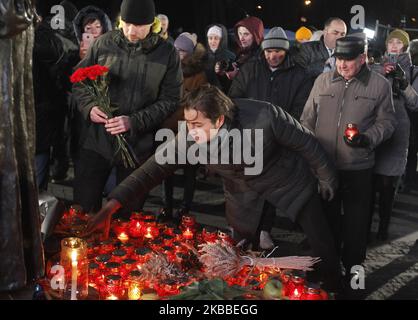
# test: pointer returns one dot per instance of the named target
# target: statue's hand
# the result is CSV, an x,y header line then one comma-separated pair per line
x,y
15,17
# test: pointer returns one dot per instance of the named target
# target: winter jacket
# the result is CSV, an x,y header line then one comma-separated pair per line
x,y
290,155
94,12
287,87
312,56
391,156
222,54
366,101
145,84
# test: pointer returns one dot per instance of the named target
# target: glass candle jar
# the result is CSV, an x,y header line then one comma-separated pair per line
x,y
75,262
209,235
135,228
135,286
96,277
127,266
112,268
128,247
142,254
167,288
312,291
102,259
296,285
167,239
351,131
188,234
188,221
106,247
113,288
119,255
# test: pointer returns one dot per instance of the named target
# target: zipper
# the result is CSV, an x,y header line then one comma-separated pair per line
x,y
339,120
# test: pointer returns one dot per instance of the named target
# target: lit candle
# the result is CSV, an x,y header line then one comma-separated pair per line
x,y
112,297
149,235
74,264
123,237
188,234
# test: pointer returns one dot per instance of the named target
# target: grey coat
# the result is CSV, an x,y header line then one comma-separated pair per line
x,y
290,155
366,101
391,156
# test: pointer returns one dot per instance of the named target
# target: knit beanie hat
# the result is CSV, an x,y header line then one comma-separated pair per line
x,y
138,12
276,38
186,42
303,34
215,31
401,35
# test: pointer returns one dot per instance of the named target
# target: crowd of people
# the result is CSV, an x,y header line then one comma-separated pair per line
x,y
305,95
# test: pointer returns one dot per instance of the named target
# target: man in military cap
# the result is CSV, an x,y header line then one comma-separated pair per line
x,y
351,96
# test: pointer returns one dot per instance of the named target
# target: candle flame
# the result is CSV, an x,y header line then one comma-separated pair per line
x,y
112,297
148,235
74,255
134,292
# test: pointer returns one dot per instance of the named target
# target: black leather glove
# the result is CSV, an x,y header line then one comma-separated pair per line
x,y
358,141
399,75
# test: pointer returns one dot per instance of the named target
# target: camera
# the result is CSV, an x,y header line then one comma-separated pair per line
x,y
225,65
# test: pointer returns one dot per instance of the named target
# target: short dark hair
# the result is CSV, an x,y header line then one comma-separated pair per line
x,y
90,19
331,20
211,101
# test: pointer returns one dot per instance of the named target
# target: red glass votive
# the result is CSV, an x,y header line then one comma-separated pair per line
x,y
106,247
167,288
135,229
142,254
112,268
119,255
113,288
296,285
312,292
127,266
102,259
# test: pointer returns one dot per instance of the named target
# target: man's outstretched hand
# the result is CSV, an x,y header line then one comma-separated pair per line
x,y
101,221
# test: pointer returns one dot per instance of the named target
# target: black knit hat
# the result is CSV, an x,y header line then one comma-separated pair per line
x,y
138,12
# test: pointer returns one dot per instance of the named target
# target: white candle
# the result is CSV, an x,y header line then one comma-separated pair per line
x,y
74,264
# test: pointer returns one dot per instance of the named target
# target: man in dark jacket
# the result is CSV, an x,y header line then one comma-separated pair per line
x,y
316,56
145,84
289,154
274,78
351,95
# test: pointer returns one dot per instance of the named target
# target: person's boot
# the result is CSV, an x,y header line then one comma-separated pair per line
x,y
266,242
59,169
165,214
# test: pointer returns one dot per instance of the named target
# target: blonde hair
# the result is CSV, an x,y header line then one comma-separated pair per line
x,y
155,26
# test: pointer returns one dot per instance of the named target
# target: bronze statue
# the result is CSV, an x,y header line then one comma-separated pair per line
x,y
21,250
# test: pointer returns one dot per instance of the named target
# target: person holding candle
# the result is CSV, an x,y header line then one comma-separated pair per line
x,y
290,153
352,94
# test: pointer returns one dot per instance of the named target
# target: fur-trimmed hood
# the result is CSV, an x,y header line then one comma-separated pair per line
x,y
196,62
90,10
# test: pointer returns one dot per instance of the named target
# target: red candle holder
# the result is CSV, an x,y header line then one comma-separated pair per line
x,y
113,288
188,234
351,131
167,240
112,268
119,255
178,235
102,259
142,255
151,232
313,292
209,235
296,285
223,236
128,247
138,216
119,226
135,228
127,266
188,221
156,245
167,288
106,247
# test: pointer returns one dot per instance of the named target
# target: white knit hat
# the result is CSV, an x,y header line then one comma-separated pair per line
x,y
276,38
215,31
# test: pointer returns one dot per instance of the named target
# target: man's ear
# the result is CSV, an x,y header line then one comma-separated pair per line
x,y
219,123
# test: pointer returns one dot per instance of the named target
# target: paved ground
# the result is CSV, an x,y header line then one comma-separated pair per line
x,y
391,267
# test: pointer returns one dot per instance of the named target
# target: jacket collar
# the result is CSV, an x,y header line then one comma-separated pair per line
x,y
146,45
363,76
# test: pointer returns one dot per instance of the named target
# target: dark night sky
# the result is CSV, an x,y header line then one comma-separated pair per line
x,y
195,15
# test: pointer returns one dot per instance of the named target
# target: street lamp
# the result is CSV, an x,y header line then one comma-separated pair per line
x,y
308,2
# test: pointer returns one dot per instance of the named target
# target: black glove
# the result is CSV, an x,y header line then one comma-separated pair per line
x,y
399,75
358,141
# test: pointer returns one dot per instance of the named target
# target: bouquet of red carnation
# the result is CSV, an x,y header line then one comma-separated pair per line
x,y
93,79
